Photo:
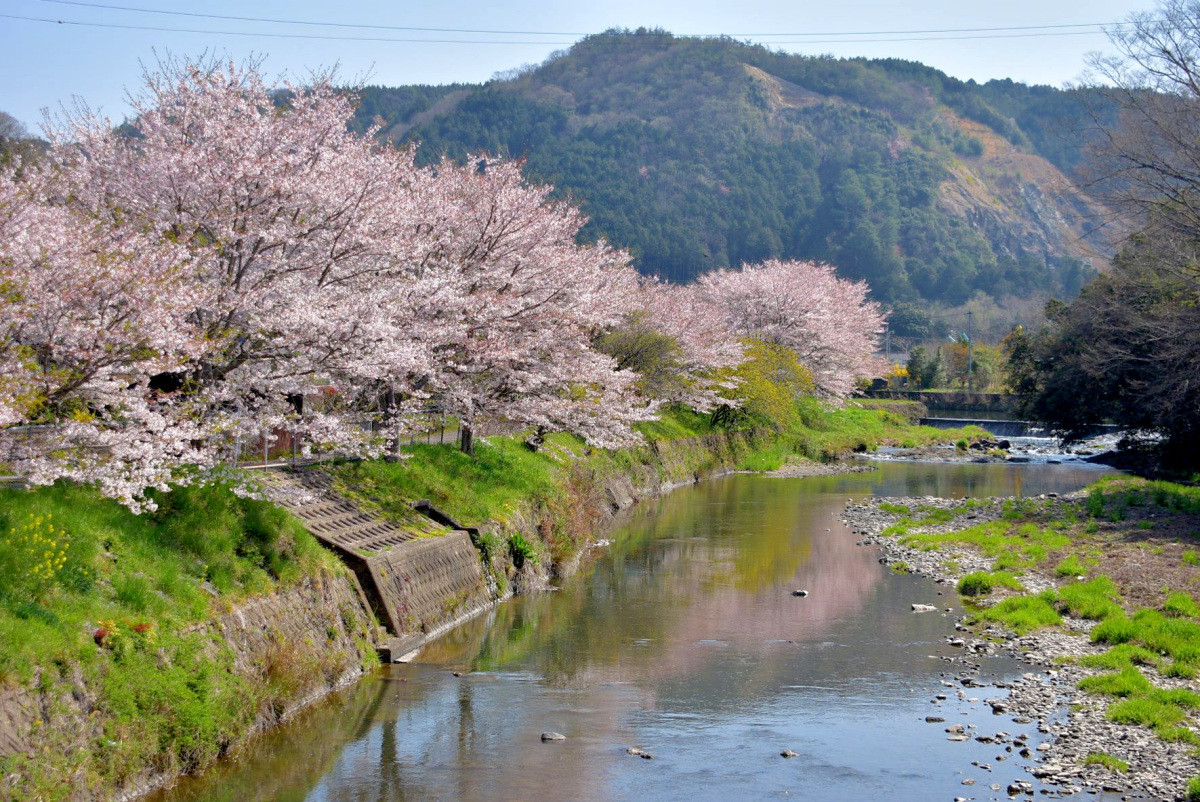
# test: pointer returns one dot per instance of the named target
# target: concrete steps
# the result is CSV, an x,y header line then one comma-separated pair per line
x,y
418,577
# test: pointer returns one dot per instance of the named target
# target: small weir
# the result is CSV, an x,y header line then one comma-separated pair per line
x,y
1005,428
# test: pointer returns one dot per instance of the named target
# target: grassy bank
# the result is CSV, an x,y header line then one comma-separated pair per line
x,y
554,494
104,629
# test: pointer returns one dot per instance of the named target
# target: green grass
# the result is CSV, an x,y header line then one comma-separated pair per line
x,y
1178,670
1107,761
1094,599
1181,603
488,486
1192,790
1112,496
1143,704
1174,637
1146,712
822,433
1125,683
1012,546
1023,614
1071,566
150,567
981,583
1125,655
767,459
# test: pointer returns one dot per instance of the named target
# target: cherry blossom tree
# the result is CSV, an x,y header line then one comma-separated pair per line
x,y
282,232
89,313
679,343
827,321
172,287
517,302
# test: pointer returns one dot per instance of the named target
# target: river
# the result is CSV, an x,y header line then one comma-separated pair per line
x,y
683,639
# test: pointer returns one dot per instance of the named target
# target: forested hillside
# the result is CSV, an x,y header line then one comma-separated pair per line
x,y
704,153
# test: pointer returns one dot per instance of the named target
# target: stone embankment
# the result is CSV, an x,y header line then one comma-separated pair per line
x,y
303,642
1073,721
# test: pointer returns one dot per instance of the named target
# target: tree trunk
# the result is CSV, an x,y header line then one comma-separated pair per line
x,y
393,409
466,439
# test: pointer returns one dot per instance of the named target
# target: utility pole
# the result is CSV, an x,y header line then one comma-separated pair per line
x,y
970,356
887,339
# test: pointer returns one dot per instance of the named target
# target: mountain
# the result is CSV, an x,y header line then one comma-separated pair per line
x,y
704,153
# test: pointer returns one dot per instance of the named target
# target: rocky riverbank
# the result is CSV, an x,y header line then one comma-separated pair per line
x,y
805,468
1081,736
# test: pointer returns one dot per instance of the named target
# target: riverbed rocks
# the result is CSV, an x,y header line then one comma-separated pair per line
x,y
786,753
924,608
553,736
797,469
1072,723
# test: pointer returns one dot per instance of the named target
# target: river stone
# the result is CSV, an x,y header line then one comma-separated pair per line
x,y
787,753
800,593
924,608
553,736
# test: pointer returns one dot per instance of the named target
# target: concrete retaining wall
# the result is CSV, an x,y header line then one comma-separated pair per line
x,y
423,584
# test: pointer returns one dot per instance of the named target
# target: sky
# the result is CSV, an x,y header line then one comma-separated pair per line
x,y
45,64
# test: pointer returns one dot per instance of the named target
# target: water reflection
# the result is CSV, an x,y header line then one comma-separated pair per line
x,y
685,640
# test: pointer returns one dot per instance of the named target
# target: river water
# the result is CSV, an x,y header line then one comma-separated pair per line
x,y
683,639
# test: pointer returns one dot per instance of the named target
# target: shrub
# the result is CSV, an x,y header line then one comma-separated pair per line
x,y
520,550
975,584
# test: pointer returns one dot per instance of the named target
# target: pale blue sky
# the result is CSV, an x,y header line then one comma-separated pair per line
x,y
43,63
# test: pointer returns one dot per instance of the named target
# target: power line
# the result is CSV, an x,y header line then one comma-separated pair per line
x,y
936,38
79,23
328,37
377,26
276,20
